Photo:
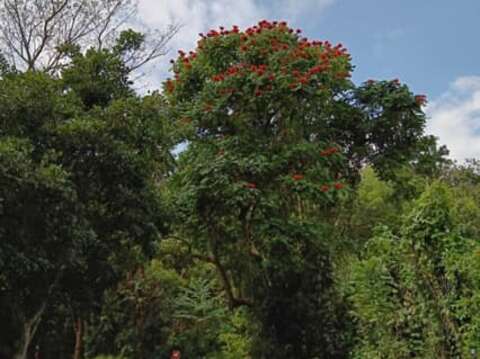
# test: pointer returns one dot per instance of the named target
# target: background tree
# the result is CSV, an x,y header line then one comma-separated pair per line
x,y
415,292
37,35
80,170
41,237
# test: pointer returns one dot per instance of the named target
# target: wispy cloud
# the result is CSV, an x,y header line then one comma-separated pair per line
x,y
455,118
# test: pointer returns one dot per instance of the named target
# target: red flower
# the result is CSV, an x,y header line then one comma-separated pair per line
x,y
329,151
232,71
303,80
170,86
298,177
251,185
218,78
339,185
325,188
315,70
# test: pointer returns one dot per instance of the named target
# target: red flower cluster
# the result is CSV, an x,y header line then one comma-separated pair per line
x,y
327,54
232,71
170,86
298,177
317,69
337,186
321,56
186,60
250,185
214,33
218,78
259,70
278,46
265,25
236,69
329,151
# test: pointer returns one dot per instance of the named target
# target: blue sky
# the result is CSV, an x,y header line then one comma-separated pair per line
x,y
426,43
429,44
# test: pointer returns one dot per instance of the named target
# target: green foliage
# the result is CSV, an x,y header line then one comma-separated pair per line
x,y
138,315
236,337
80,159
128,42
415,294
384,123
97,77
5,67
374,205
41,235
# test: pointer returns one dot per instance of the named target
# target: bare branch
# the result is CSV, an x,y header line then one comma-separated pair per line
x,y
153,48
32,32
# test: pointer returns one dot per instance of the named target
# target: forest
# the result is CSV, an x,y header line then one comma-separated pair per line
x,y
259,205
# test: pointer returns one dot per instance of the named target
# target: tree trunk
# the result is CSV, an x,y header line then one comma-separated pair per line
x,y
77,354
27,339
29,329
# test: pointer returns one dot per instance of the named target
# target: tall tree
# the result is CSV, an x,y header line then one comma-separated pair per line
x,y
276,132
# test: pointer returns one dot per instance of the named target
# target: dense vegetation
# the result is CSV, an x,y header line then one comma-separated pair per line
x,y
261,205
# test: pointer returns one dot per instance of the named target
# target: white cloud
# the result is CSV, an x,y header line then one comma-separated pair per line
x,y
455,118
201,15
198,16
292,10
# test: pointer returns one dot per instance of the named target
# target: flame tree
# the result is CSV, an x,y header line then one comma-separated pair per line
x,y
275,134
